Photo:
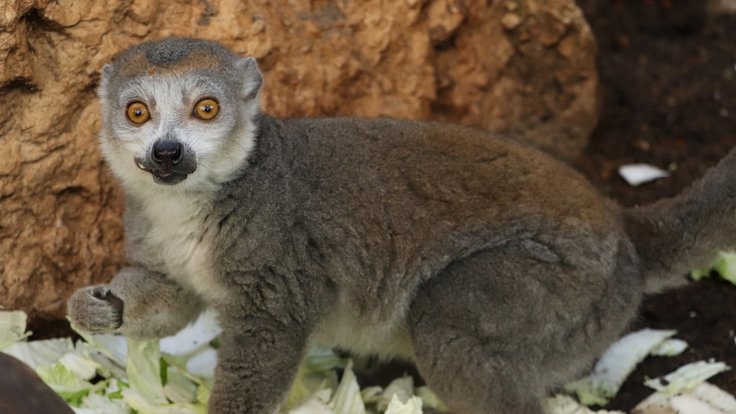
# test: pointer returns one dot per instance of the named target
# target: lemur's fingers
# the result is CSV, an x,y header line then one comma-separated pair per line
x,y
95,309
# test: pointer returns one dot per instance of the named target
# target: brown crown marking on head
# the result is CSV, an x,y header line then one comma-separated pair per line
x,y
172,56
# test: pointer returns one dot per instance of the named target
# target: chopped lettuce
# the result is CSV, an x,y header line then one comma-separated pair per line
x,y
563,404
686,377
347,398
179,388
39,353
615,365
318,372
99,404
724,265
670,347
12,327
108,374
430,399
64,382
715,396
144,371
193,338
401,388
412,405
705,398
312,406
80,365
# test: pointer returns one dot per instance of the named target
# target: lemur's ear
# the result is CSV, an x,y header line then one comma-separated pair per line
x,y
104,79
252,77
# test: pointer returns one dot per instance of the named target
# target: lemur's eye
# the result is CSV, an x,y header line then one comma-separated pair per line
x,y
206,109
138,113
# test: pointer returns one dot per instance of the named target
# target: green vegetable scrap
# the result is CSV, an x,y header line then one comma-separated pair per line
x,y
108,374
615,365
724,265
686,377
12,328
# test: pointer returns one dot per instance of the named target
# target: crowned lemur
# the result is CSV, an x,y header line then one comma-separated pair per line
x,y
499,271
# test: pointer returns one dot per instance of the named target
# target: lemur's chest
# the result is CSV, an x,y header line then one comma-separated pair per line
x,y
178,238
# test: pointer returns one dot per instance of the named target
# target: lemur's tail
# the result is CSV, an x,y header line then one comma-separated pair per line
x,y
677,235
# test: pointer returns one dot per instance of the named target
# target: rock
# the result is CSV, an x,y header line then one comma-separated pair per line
x,y
511,21
451,60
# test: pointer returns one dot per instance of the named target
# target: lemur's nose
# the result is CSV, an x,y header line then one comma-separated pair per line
x,y
166,152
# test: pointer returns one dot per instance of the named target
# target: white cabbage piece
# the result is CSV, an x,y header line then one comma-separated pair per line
x,y
637,174
615,365
686,377
346,399
193,337
202,363
703,399
670,347
413,405
316,374
38,353
114,347
312,406
179,388
686,391
563,404
140,403
430,399
725,265
100,404
687,404
144,372
12,327
401,388
715,396
64,382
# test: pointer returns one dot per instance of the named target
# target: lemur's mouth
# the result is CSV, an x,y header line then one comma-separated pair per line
x,y
163,175
168,178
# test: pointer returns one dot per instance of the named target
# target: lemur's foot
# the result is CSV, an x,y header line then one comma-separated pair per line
x,y
95,309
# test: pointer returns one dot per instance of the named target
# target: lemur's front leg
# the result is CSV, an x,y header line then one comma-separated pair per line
x,y
264,339
137,303
256,364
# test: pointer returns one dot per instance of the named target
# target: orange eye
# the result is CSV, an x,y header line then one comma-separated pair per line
x,y
206,109
138,113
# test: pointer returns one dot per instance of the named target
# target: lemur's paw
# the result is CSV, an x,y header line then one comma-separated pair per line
x,y
95,309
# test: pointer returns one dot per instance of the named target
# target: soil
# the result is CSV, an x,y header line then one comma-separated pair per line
x,y
668,76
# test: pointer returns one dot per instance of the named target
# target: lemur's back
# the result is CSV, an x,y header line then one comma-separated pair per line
x,y
448,172
422,177
380,206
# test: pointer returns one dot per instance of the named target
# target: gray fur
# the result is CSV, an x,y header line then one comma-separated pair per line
x,y
677,235
149,305
498,270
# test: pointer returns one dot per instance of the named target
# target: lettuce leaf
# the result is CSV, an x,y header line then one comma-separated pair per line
x,y
12,327
615,365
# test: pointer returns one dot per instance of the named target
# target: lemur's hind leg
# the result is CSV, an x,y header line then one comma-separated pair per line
x,y
137,303
493,332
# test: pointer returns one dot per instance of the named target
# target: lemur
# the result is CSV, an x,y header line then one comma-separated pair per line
x,y
496,269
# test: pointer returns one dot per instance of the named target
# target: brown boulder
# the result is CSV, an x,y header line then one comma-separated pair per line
x,y
524,66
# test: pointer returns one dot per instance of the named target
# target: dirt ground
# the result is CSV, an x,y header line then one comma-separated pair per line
x,y
668,76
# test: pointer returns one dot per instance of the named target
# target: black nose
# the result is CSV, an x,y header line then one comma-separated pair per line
x,y
166,152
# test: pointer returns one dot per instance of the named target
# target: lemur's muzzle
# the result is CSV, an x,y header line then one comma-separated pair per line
x,y
169,161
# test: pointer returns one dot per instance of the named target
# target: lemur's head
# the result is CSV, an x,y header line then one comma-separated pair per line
x,y
178,112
